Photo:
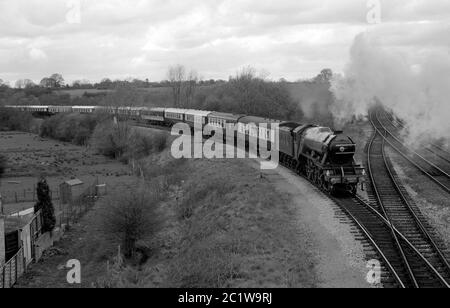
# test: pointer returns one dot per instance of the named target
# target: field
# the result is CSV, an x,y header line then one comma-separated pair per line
x,y
30,156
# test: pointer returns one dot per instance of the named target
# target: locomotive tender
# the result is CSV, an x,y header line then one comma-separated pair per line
x,y
324,156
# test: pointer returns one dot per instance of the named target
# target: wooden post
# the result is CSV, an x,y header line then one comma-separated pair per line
x,y
2,242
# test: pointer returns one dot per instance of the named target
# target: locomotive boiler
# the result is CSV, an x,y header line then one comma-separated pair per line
x,y
325,156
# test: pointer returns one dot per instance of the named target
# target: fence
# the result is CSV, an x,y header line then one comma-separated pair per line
x,y
70,213
13,197
12,270
16,266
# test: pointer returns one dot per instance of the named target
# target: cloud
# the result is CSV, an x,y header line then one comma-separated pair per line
x,y
289,38
37,54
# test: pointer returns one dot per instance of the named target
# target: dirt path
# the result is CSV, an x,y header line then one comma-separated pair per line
x,y
340,257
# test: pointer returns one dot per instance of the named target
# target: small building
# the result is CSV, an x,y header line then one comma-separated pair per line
x,y
10,228
70,190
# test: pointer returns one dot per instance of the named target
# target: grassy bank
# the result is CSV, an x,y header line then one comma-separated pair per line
x,y
219,225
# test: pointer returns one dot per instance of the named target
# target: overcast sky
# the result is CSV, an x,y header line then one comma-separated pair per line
x,y
142,38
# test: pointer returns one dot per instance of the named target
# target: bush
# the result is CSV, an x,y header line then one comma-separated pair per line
x,y
45,204
75,128
123,142
110,139
16,120
141,145
131,216
3,164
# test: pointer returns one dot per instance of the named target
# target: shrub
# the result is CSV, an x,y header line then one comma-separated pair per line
x,y
45,204
15,120
123,142
75,128
111,139
131,216
141,145
3,164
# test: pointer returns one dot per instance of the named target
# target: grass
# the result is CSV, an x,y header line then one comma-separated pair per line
x,y
222,225
222,229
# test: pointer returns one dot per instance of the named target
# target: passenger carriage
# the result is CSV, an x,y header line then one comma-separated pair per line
x,y
196,118
153,115
60,109
173,115
37,109
260,129
224,121
84,109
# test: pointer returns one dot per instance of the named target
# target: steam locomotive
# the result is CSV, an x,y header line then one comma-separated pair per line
x,y
324,156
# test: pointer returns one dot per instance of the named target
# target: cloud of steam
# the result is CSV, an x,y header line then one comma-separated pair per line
x,y
418,93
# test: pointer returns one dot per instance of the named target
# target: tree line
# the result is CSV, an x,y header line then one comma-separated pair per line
x,y
247,92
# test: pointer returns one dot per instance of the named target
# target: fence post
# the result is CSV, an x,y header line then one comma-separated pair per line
x,y
16,267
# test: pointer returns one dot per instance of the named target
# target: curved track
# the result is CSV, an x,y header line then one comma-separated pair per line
x,y
430,169
425,261
407,253
433,147
431,151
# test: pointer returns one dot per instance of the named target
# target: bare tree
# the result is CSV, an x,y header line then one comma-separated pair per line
x,y
176,76
131,215
190,86
183,85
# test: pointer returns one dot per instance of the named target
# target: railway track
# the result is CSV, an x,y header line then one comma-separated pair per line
x,y
385,129
407,253
423,257
432,151
433,147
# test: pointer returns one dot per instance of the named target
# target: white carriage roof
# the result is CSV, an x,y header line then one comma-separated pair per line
x,y
176,110
156,109
201,113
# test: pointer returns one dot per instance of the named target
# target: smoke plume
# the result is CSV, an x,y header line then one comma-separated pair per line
x,y
418,93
